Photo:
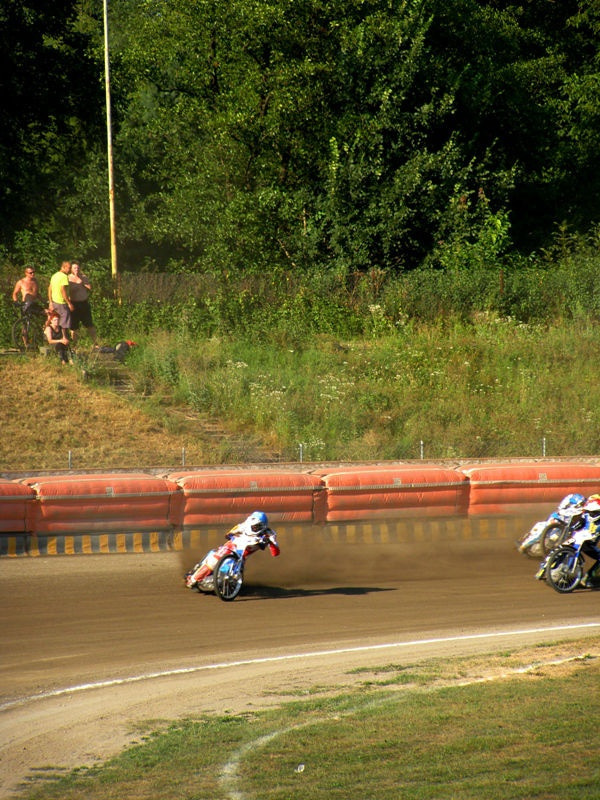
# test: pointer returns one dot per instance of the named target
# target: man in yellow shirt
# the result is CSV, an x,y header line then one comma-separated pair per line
x,y
59,297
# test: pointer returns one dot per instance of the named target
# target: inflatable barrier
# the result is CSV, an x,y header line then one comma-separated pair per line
x,y
217,497
93,503
139,512
391,492
512,488
16,507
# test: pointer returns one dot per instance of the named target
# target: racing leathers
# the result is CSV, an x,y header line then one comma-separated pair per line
x,y
240,537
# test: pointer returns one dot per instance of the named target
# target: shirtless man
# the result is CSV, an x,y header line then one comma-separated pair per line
x,y
29,289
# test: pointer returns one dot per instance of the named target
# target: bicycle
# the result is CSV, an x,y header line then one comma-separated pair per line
x,y
27,333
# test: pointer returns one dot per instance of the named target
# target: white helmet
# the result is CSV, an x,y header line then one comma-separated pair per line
x,y
592,506
258,521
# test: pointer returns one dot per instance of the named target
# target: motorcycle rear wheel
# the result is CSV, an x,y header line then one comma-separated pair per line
x,y
561,574
228,577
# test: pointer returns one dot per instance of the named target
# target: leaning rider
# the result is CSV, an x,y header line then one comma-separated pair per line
x,y
255,528
590,545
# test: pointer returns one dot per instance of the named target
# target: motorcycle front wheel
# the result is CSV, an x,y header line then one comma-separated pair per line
x,y
564,570
228,577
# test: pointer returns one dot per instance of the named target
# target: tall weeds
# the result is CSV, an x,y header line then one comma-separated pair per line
x,y
448,390
471,362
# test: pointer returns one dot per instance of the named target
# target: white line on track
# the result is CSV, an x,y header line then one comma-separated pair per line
x,y
290,657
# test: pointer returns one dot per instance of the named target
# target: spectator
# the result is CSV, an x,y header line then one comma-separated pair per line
x,y
29,289
79,291
57,337
58,295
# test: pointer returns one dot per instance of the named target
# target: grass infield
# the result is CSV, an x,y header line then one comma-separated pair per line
x,y
515,725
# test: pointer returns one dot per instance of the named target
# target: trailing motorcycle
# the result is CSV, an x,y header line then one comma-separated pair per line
x,y
548,534
544,536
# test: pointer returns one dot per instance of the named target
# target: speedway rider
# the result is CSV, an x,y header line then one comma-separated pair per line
x,y
255,528
590,531
585,527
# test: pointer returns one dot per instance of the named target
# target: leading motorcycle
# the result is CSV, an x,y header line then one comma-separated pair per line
x,y
222,569
563,568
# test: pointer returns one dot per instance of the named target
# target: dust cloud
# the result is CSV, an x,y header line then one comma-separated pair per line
x,y
314,559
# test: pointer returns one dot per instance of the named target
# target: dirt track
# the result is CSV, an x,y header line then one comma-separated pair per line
x,y
76,620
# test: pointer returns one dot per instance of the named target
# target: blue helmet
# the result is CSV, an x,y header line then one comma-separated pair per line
x,y
258,521
572,503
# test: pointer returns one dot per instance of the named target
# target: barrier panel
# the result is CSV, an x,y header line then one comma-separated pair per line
x,y
227,497
94,503
512,488
140,512
16,506
387,492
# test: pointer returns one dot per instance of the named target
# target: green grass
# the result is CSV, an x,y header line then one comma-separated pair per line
x,y
446,735
487,389
342,368
492,388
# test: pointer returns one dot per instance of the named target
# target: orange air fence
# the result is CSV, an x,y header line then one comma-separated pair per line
x,y
359,493
510,488
92,503
16,507
40,508
222,497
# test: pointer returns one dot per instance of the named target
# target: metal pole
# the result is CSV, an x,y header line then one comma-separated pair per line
x,y
422,450
111,185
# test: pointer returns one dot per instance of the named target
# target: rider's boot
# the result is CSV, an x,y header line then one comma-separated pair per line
x,y
198,576
591,578
541,573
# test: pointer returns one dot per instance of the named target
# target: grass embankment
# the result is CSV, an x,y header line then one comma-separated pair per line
x,y
510,726
49,412
487,389
491,389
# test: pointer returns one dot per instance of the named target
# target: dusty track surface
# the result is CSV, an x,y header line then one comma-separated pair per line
x,y
118,621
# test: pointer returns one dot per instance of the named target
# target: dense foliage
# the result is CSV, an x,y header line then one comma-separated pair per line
x,y
288,135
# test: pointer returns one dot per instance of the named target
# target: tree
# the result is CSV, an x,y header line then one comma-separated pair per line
x,y
47,86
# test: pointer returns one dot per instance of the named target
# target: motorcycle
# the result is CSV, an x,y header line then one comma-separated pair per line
x,y
227,564
546,535
563,567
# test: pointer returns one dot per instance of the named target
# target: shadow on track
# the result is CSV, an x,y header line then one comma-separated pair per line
x,y
255,592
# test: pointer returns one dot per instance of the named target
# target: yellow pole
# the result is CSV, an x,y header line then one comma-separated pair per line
x,y
111,185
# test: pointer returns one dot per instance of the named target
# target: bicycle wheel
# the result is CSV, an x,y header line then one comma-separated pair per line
x,y
19,335
34,335
27,334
